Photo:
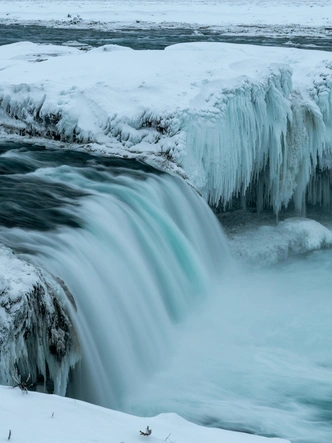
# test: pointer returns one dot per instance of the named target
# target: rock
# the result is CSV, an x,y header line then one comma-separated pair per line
x,y
37,336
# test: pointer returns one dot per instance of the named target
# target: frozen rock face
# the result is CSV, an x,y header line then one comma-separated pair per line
x,y
36,333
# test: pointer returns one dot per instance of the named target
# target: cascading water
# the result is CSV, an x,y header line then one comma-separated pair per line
x,y
146,249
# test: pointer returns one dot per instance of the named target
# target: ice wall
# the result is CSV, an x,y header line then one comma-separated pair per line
x,y
239,122
36,334
245,135
266,143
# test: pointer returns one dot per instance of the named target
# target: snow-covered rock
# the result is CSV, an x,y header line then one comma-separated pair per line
x,y
267,244
36,333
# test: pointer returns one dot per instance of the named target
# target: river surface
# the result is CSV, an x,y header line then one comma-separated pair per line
x,y
153,38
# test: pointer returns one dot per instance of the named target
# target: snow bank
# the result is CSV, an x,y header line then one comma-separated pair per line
x,y
239,121
44,418
266,245
116,13
35,330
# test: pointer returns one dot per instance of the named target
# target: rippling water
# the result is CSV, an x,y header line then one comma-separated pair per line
x,y
154,38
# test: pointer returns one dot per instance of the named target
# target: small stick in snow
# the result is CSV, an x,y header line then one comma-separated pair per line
x,y
147,432
10,434
23,385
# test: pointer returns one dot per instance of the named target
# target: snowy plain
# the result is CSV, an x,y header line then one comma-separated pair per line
x,y
290,15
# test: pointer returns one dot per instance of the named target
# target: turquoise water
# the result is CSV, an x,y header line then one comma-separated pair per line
x,y
257,358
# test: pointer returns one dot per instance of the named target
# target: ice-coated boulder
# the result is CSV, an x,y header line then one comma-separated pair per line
x,y
37,336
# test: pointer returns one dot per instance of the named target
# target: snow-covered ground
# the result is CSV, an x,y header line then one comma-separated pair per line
x,y
290,15
35,417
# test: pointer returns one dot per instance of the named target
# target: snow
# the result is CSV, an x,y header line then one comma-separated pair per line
x,y
34,320
36,417
16,276
230,118
289,14
266,244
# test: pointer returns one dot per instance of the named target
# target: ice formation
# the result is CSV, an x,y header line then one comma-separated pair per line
x,y
266,245
36,334
244,123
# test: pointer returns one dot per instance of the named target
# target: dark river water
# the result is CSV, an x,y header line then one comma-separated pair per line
x,y
153,38
34,202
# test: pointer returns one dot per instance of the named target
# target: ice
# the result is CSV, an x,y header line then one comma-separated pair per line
x,y
265,245
36,334
238,122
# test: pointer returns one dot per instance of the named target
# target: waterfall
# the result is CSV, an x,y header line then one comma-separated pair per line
x,y
148,249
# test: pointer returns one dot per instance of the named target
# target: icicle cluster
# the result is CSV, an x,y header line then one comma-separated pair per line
x,y
36,334
264,139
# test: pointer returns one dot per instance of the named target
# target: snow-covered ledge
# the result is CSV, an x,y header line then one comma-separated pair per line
x,y
237,120
36,333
